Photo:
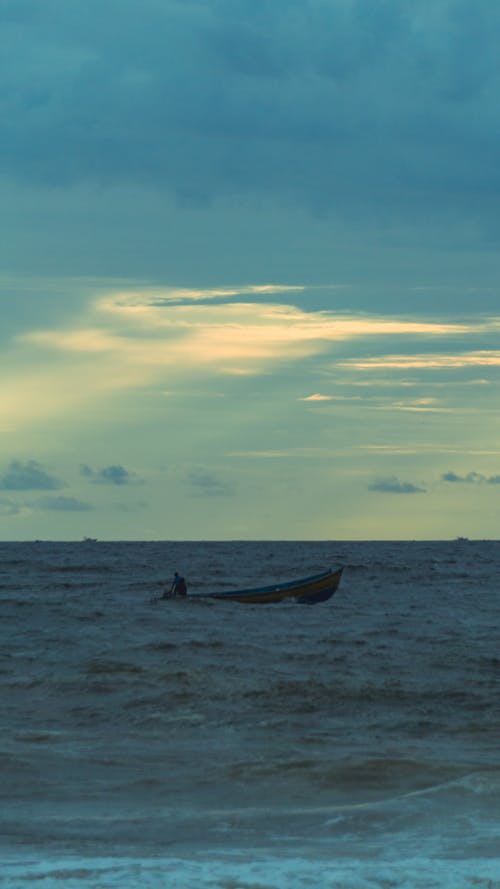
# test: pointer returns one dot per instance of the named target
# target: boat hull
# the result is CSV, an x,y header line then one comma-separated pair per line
x,y
307,591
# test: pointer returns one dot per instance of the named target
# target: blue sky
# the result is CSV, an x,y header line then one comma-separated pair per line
x,y
249,269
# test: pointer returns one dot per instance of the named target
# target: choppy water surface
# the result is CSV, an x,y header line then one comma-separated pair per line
x,y
203,743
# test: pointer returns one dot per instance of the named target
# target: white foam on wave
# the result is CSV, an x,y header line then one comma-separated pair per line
x,y
234,871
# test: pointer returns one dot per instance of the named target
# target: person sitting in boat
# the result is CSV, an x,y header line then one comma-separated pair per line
x,y
178,588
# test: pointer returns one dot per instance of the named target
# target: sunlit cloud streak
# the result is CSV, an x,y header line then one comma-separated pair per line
x,y
478,358
164,297
305,453
132,340
427,448
233,332
415,408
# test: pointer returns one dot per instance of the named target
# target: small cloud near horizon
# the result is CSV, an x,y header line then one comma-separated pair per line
x,y
472,478
392,485
108,475
316,397
28,476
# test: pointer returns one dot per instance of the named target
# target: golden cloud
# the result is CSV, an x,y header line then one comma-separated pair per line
x,y
479,358
138,338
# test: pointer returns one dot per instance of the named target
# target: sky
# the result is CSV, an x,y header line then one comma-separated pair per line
x,y
249,266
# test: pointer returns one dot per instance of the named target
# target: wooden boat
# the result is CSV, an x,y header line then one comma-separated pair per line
x,y
307,591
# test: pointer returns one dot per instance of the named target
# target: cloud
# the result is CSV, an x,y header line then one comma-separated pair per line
x,y
119,345
108,475
157,297
429,448
334,104
317,397
472,478
207,484
63,504
435,361
392,485
237,337
114,475
27,476
420,405
306,453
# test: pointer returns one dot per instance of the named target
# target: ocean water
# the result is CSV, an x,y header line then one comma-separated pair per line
x,y
208,744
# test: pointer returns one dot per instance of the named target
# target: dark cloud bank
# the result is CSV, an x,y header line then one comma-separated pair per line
x,y
325,103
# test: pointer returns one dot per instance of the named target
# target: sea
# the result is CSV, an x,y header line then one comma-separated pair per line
x,y
203,744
